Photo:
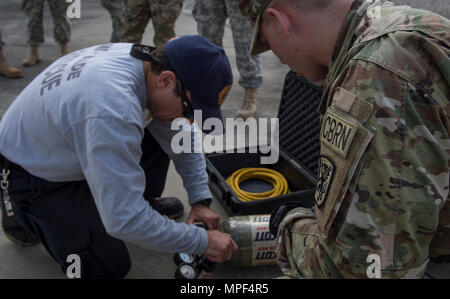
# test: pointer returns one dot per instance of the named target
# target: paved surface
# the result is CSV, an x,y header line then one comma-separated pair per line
x,y
93,28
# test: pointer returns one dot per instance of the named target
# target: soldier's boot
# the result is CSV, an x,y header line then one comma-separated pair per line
x,y
248,107
167,206
34,56
64,49
6,69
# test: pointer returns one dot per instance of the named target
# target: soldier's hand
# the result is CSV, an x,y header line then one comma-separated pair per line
x,y
220,246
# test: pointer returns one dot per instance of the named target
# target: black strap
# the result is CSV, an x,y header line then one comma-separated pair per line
x,y
142,52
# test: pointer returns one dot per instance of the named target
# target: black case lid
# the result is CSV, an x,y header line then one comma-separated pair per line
x,y
299,121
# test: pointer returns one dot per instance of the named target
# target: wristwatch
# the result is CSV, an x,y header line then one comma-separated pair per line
x,y
205,202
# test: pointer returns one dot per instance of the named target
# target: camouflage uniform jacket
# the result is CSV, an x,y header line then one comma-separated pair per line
x,y
382,195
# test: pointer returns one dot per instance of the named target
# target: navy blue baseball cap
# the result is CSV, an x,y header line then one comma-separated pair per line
x,y
204,69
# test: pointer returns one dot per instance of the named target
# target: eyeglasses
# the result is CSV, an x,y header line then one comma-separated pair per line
x,y
188,110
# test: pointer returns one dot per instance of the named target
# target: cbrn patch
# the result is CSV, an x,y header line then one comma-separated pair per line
x,y
337,133
327,169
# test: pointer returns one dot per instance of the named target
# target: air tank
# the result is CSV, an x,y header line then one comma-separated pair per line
x,y
252,235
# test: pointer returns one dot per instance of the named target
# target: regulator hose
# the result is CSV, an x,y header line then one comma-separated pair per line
x,y
276,179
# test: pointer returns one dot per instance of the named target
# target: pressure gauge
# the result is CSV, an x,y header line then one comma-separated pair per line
x,y
186,258
186,271
179,258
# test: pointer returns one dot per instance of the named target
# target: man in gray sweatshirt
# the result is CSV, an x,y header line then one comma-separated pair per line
x,y
85,150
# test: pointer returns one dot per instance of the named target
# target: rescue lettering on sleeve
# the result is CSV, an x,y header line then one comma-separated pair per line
x,y
337,133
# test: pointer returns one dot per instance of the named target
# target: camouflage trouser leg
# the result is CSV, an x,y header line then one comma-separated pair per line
x,y
115,9
249,66
164,14
211,16
61,26
1,41
34,10
135,18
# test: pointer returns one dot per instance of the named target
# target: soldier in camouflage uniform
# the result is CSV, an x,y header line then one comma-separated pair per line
x,y
115,9
5,68
34,10
163,14
211,16
383,186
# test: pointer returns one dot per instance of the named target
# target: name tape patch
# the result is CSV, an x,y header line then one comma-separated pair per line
x,y
337,133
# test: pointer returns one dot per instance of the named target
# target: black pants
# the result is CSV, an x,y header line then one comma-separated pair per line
x,y
67,221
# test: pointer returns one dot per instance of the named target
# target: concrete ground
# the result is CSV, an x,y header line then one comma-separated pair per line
x,y
93,28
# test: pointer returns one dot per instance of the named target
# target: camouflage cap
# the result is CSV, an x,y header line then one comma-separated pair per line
x,y
253,10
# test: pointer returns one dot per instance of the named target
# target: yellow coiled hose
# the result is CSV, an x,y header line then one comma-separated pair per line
x,y
279,183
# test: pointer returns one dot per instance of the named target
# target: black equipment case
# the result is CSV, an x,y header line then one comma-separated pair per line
x,y
299,149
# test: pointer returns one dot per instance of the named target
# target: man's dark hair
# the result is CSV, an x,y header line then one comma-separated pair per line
x,y
160,54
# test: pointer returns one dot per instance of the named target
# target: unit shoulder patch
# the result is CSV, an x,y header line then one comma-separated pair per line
x,y
337,133
327,169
